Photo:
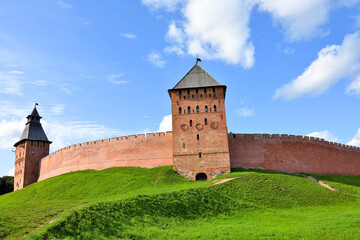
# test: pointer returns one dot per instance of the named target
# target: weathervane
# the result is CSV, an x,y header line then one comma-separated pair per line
x,y
36,104
198,59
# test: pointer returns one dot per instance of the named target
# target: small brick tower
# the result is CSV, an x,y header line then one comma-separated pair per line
x,y
30,149
200,139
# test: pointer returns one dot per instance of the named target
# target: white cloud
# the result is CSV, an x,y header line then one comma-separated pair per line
x,y
10,132
166,124
11,172
10,83
64,5
214,31
333,63
84,21
221,31
348,3
300,19
113,78
156,59
57,109
355,141
328,136
127,35
168,5
246,112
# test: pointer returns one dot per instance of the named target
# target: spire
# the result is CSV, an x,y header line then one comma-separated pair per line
x,y
33,129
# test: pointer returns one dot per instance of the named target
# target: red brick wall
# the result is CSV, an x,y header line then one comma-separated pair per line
x,y
148,151
27,160
212,144
293,154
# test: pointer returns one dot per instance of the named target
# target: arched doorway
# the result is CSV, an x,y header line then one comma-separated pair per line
x,y
201,177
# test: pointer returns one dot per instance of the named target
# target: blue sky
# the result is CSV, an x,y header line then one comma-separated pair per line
x,y
101,69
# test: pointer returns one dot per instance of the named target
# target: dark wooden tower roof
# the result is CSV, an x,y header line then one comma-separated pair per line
x,y
197,77
33,129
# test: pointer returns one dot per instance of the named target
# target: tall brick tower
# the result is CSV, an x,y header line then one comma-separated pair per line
x,y
30,149
200,139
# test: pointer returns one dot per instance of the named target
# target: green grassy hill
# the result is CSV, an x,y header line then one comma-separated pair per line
x,y
138,203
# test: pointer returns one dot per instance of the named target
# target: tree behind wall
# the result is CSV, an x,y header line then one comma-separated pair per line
x,y
6,184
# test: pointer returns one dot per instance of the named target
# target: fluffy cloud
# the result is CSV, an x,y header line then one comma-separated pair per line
x,y
218,31
348,3
10,83
156,59
222,32
328,136
246,112
64,5
355,141
333,63
300,19
10,132
127,35
169,5
166,124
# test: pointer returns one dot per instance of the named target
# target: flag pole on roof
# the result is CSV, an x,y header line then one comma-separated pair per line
x,y
198,59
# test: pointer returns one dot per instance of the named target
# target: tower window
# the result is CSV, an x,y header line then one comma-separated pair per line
x,y
197,94
180,110
205,93
180,95
200,95
209,95
190,123
205,122
31,143
193,96
184,146
32,152
188,93
199,154
197,109
189,110
197,136
206,108
214,108
214,93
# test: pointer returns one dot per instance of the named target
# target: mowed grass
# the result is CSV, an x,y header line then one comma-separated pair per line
x,y
137,203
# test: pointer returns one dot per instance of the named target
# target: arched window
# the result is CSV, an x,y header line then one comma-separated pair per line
x,y
205,122
214,94
206,108
180,94
204,92
190,123
197,93
197,109
180,110
214,108
189,110
188,94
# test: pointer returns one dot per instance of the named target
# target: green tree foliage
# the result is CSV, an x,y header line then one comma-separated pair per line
x,y
6,184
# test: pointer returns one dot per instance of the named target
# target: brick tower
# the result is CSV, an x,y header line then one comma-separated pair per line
x,y
200,139
30,149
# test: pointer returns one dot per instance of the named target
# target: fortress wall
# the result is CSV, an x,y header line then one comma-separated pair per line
x,y
150,150
289,153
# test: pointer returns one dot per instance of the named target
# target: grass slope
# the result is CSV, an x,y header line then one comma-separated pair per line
x,y
137,203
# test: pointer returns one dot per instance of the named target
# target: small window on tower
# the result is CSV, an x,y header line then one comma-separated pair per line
x,y
180,95
197,94
205,122
200,155
214,93
188,93
180,110
204,92
184,145
189,110
190,123
192,96
206,108
197,136
197,109
209,95
31,143
32,152
214,108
